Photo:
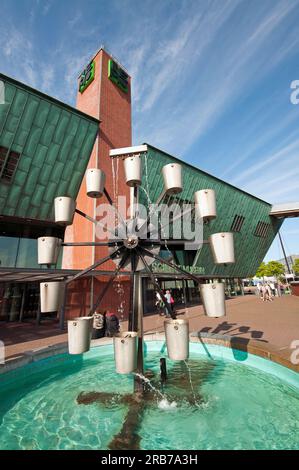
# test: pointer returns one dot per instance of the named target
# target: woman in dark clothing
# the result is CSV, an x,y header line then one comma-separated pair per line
x,y
112,324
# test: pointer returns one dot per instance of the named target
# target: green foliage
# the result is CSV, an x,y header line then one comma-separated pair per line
x,y
261,272
271,269
296,267
274,268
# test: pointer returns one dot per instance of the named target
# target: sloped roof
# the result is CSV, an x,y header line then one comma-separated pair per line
x,y
54,142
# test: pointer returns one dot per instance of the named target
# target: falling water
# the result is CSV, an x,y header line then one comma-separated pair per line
x,y
191,384
164,403
119,290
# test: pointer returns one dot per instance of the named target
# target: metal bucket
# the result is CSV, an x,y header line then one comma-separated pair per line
x,y
64,210
48,250
79,334
222,245
95,182
50,296
132,167
125,352
213,299
172,175
177,339
205,204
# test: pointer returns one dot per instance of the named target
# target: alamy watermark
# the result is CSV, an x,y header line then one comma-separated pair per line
x,y
295,353
294,97
2,353
157,221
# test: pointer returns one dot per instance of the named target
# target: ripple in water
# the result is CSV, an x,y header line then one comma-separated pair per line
x,y
238,407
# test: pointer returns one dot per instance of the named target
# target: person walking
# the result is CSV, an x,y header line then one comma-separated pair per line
x,y
269,292
159,304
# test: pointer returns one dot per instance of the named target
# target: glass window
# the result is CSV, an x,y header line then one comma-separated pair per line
x,y
27,254
8,251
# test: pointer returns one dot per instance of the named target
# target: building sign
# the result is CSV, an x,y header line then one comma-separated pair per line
x,y
163,268
118,76
87,76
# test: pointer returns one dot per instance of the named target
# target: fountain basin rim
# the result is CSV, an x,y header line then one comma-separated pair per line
x,y
203,344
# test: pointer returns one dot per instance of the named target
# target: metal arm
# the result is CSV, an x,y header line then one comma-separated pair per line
x,y
171,265
110,243
109,283
94,221
95,265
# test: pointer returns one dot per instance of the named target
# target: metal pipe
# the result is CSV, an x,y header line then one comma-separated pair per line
x,y
163,369
110,243
171,265
284,253
102,294
138,307
93,266
94,221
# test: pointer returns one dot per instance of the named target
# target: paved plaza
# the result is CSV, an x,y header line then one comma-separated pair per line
x,y
259,327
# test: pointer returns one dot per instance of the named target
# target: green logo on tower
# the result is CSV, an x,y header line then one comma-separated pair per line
x,y
118,76
86,76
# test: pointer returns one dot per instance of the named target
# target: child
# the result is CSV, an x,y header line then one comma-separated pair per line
x,y
99,324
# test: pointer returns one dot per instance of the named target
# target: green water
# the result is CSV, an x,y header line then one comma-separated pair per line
x,y
226,406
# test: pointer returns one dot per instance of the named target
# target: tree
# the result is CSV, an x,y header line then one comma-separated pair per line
x,y
261,272
296,267
275,269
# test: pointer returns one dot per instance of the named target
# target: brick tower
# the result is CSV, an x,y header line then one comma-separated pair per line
x,y
104,92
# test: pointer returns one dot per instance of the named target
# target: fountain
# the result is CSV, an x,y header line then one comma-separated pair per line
x,y
124,397
133,246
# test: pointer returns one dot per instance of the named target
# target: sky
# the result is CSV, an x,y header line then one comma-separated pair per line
x,y
211,79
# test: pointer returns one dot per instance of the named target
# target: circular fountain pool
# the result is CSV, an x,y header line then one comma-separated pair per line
x,y
218,399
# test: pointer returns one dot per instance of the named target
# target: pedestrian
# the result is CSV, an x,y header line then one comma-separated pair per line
x,y
269,292
159,303
259,290
112,323
168,300
272,287
99,324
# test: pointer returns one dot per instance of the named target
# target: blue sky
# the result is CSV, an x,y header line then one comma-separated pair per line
x,y
211,79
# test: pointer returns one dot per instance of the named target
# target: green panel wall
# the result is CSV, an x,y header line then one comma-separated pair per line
x,y
249,249
54,141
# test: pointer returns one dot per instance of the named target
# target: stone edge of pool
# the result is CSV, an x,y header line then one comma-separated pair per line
x,y
264,350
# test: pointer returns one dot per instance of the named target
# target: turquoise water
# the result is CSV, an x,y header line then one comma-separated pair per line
x,y
227,404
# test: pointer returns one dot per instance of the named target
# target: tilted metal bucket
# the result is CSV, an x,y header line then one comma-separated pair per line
x,y
177,339
64,210
222,246
125,352
172,175
132,166
48,250
213,299
205,204
95,182
79,334
50,296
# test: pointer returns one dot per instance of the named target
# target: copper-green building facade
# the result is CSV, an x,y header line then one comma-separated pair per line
x,y
45,146
237,211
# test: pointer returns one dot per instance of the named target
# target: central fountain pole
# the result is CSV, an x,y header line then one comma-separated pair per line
x,y
138,305
136,315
